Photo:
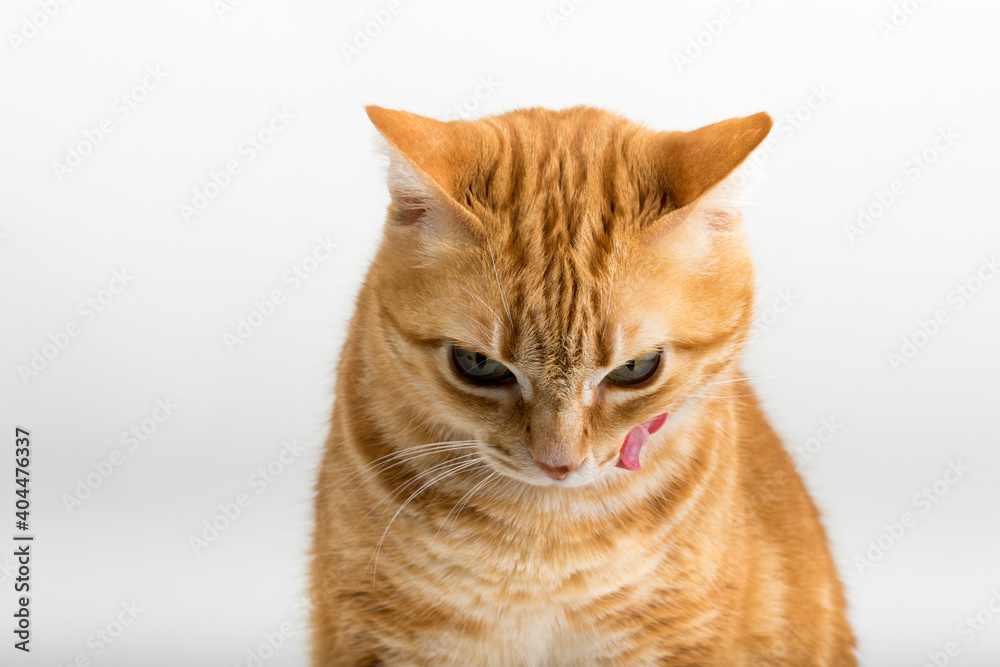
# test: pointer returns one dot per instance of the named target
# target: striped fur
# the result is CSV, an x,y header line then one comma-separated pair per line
x,y
562,244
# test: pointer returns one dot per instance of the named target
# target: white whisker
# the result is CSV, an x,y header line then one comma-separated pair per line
x,y
395,494
464,289
499,286
461,503
455,469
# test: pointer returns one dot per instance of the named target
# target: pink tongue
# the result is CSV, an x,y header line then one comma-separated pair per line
x,y
635,439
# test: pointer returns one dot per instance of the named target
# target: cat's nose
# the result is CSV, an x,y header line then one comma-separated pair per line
x,y
557,472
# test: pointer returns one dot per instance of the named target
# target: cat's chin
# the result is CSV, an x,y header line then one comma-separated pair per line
x,y
574,480
588,474
571,482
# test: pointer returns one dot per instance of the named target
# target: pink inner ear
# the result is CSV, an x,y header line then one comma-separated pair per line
x,y
635,439
409,210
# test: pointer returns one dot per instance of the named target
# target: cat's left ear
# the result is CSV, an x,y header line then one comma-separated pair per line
x,y
426,158
699,170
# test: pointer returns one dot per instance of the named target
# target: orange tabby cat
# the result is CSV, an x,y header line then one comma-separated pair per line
x,y
542,450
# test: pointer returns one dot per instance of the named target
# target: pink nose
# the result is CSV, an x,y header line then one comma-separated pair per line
x,y
557,472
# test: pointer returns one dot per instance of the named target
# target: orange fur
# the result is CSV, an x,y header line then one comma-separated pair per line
x,y
563,244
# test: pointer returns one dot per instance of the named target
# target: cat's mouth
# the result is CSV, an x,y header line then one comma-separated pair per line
x,y
636,438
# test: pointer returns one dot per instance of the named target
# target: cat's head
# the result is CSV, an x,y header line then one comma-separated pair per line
x,y
552,283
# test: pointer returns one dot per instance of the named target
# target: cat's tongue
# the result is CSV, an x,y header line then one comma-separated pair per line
x,y
635,439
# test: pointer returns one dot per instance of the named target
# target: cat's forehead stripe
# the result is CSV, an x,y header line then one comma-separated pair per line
x,y
552,192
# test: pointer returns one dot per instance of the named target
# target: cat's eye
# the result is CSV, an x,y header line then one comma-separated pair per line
x,y
636,371
479,368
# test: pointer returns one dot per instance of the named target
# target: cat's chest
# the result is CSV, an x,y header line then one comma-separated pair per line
x,y
539,636
533,603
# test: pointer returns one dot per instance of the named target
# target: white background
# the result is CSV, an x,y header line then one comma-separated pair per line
x,y
883,97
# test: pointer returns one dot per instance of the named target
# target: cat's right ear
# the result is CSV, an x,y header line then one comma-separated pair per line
x,y
427,158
